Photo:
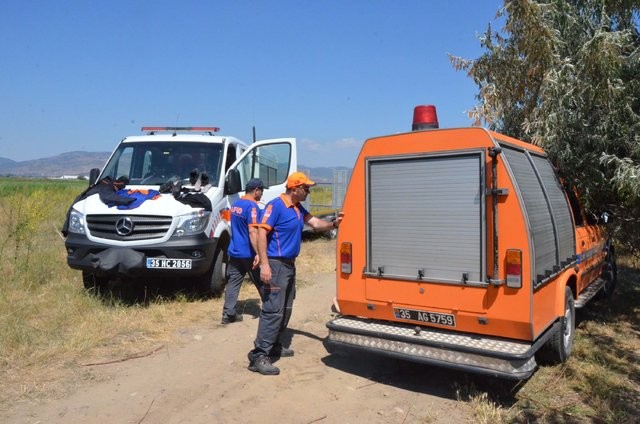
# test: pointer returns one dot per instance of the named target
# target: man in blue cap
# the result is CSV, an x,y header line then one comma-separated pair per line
x,y
243,258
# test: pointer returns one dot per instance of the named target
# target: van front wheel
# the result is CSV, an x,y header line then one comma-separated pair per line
x,y
215,279
558,347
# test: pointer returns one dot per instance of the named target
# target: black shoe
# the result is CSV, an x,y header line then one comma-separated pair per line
x,y
176,189
263,365
280,351
228,319
193,176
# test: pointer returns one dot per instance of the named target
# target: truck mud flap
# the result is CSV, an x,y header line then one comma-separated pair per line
x,y
494,356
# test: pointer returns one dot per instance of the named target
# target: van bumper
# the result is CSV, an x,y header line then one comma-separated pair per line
x,y
505,358
103,259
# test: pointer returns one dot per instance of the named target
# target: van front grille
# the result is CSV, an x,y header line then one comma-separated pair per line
x,y
128,227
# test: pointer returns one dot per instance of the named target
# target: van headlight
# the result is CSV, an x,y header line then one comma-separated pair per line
x,y
76,222
192,223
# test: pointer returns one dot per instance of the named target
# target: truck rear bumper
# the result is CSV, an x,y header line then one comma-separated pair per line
x,y
494,356
103,259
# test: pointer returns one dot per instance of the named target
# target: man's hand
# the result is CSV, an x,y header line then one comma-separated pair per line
x,y
265,269
265,273
256,261
338,219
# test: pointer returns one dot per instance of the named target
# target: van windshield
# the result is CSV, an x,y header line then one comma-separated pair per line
x,y
158,162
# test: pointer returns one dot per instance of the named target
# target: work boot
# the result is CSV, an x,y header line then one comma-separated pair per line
x,y
228,319
280,351
263,365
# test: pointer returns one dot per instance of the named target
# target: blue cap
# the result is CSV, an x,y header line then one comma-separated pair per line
x,y
254,183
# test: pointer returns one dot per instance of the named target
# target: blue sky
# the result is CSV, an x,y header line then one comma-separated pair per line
x,y
80,75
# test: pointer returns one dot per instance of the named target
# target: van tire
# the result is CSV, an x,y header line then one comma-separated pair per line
x,y
95,283
558,348
215,279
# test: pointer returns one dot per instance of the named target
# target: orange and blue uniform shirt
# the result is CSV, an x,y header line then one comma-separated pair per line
x,y
284,222
244,212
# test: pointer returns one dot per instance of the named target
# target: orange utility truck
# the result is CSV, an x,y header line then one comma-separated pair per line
x,y
461,248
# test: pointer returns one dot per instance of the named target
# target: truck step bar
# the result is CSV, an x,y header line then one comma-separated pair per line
x,y
587,294
480,354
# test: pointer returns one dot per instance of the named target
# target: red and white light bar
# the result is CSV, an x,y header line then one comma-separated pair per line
x,y
174,129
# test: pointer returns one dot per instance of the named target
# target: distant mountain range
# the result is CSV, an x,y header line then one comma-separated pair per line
x,y
66,164
78,164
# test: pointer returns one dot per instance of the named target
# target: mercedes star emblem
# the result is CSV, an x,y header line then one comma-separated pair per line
x,y
124,226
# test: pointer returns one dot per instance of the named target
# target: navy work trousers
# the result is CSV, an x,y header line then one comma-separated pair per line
x,y
237,268
277,305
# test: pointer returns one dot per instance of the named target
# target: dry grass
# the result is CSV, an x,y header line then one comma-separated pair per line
x,y
50,326
318,255
320,198
600,383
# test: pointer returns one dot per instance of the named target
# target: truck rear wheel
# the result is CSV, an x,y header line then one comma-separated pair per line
x,y
215,279
559,346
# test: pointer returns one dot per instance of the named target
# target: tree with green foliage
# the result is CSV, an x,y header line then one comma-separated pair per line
x,y
565,75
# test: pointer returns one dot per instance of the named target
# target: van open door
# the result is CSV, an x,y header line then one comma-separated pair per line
x,y
270,160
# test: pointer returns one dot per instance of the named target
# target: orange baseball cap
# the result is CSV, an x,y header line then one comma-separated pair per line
x,y
297,179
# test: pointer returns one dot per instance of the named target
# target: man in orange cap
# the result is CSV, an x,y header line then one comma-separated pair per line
x,y
279,241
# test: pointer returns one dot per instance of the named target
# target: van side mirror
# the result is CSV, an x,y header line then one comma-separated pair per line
x,y
232,183
93,176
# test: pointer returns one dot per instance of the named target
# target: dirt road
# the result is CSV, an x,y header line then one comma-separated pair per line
x,y
204,379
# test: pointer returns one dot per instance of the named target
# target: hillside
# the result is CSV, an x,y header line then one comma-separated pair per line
x,y
73,164
65,164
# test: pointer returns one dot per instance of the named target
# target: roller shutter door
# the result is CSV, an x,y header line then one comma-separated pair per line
x,y
547,211
560,210
425,217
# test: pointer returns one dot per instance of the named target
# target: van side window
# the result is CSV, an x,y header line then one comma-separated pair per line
x,y
270,163
575,207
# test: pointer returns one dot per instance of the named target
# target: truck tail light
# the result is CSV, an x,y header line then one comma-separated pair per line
x,y
345,258
514,268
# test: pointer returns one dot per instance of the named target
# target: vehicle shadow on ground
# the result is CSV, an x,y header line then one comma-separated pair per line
x,y
426,379
458,385
132,292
